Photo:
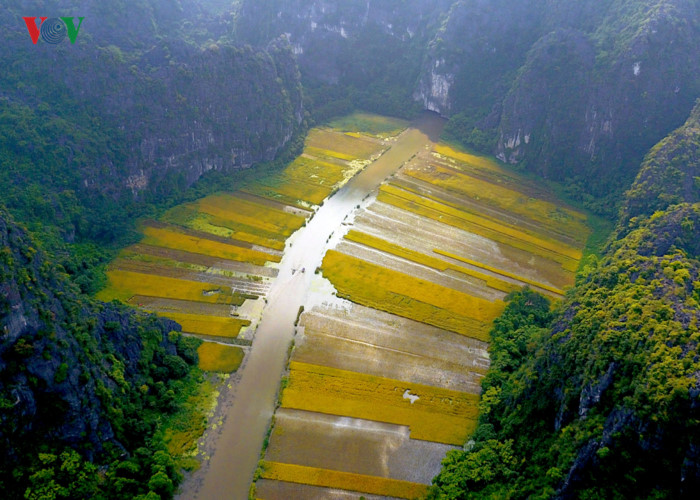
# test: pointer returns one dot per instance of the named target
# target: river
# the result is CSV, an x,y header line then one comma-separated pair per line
x,y
236,450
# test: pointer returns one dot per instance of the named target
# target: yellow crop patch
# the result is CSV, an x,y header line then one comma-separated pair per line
x,y
254,215
313,476
342,143
220,358
189,216
565,220
328,153
565,255
208,325
413,298
169,238
123,285
438,415
476,161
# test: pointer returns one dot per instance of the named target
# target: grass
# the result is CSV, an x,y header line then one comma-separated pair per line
x,y
220,358
438,415
208,325
375,125
171,238
181,431
122,285
563,254
325,478
398,293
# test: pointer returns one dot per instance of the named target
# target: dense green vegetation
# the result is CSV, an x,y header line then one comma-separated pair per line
x,y
117,126
85,387
601,403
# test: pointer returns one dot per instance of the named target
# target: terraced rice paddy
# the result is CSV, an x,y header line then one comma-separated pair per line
x,y
381,385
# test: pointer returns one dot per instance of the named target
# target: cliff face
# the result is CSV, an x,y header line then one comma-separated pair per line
x,y
573,89
670,173
613,91
141,105
74,374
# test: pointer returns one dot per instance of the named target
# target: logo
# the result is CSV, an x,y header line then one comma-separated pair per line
x,y
53,30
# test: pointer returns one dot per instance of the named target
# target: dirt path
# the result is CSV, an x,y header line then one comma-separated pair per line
x,y
237,441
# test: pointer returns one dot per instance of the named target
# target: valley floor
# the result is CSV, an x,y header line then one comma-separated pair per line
x,y
400,275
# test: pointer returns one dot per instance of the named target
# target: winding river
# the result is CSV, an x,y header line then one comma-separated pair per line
x,y
251,401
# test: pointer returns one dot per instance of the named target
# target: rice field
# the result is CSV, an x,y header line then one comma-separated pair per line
x,y
369,124
123,285
436,414
357,147
404,295
353,445
566,256
341,480
176,239
484,179
208,325
220,358
426,260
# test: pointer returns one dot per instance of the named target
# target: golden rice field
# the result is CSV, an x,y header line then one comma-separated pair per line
x,y
227,227
438,415
342,480
172,238
404,295
208,325
122,285
356,147
563,254
426,260
221,358
501,272
503,189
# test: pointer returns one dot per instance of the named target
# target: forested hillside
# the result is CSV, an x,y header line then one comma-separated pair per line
x,y
152,95
84,386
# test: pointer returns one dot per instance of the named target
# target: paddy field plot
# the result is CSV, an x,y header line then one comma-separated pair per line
x,y
369,341
341,480
353,445
220,358
437,414
282,490
410,297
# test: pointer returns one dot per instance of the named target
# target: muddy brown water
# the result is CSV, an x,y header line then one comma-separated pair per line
x,y
229,471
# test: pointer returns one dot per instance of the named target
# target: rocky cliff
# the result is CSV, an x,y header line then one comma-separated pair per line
x,y
573,90
152,95
77,376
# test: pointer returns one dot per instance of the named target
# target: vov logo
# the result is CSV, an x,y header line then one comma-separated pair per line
x,y
53,30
